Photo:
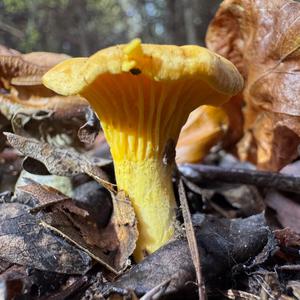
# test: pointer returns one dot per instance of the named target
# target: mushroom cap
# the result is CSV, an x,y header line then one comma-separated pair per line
x,y
157,62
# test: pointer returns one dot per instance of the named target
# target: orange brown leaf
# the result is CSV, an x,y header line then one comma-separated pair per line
x,y
262,38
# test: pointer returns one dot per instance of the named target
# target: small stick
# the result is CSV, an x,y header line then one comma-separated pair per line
x,y
289,268
157,291
235,294
191,238
199,173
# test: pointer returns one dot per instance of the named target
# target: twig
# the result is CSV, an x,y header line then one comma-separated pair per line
x,y
289,268
190,234
235,294
198,174
11,30
157,291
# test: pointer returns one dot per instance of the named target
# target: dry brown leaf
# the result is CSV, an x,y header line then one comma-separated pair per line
x,y
23,241
118,237
205,127
262,38
21,75
124,224
33,109
8,51
14,65
208,126
287,210
233,109
88,132
44,59
286,206
115,242
217,240
39,99
61,161
110,245
38,195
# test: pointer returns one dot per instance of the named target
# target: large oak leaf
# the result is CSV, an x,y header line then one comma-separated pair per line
x,y
262,38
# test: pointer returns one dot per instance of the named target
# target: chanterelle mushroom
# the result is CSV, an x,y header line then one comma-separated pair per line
x,y
143,95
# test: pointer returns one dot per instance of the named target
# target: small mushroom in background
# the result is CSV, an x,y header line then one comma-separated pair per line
x,y
143,94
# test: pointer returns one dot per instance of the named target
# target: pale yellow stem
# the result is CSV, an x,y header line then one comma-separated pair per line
x,y
148,183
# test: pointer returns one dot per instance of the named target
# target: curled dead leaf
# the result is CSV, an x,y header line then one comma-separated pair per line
x,y
111,244
23,241
30,105
204,128
88,132
61,161
261,38
105,230
8,51
208,126
15,66
217,243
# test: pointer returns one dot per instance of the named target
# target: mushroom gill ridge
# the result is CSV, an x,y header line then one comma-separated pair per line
x,y
140,115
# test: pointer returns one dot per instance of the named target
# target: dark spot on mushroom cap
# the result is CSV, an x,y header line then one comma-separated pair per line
x,y
135,71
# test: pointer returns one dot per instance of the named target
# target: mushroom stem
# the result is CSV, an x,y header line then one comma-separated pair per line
x,y
154,205
142,130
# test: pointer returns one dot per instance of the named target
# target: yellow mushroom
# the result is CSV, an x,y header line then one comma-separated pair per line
x,y
143,94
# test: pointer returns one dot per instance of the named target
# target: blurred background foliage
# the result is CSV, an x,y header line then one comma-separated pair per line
x,y
81,27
